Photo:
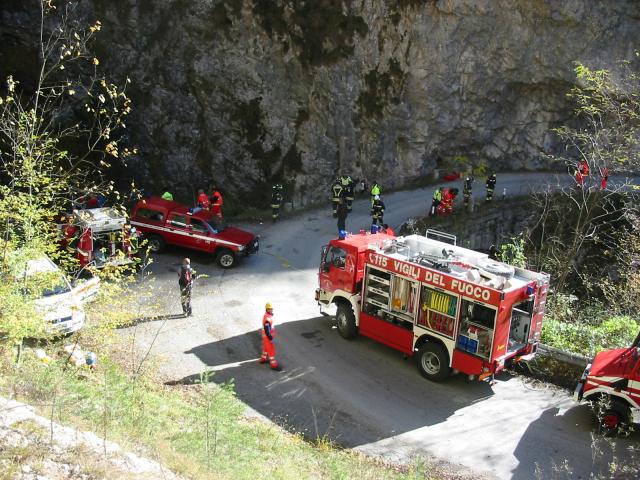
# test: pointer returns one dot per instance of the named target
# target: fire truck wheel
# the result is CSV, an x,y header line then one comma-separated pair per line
x,y
614,418
226,258
346,321
155,243
433,362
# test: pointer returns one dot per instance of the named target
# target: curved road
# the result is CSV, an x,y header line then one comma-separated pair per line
x,y
358,393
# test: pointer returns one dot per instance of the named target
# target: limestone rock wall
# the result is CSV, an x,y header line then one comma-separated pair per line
x,y
249,92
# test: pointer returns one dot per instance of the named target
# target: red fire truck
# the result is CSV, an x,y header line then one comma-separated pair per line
x,y
452,308
612,384
99,236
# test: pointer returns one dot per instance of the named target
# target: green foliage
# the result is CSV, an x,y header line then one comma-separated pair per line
x,y
194,430
585,328
607,110
513,252
42,166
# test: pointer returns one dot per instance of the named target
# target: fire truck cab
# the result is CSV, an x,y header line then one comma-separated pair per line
x,y
611,383
452,308
99,236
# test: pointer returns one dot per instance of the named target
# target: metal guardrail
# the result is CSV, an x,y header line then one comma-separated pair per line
x,y
564,357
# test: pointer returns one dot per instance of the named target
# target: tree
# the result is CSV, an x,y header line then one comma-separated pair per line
x,y
589,219
607,119
55,143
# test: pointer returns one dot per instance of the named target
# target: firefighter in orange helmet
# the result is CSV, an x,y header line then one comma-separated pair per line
x,y
268,334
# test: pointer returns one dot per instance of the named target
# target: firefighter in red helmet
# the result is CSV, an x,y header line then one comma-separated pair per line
x,y
268,334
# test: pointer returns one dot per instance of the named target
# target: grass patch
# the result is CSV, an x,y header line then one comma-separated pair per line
x,y
589,338
197,431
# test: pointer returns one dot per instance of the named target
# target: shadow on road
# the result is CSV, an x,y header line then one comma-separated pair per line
x,y
576,429
399,399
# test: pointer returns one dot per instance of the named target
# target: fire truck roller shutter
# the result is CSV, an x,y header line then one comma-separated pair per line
x,y
346,320
497,268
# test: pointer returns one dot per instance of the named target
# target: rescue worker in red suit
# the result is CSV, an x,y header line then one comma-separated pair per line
x,y
216,202
446,205
583,167
604,178
579,176
69,234
203,200
268,334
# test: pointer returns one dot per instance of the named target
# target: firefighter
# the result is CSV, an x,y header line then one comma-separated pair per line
x,y
466,190
203,200
376,189
583,166
377,211
448,197
216,202
342,212
268,334
348,192
185,281
336,194
130,240
435,201
276,201
579,177
167,195
491,186
604,178
70,235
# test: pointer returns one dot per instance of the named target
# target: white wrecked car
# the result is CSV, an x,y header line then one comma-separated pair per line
x,y
56,298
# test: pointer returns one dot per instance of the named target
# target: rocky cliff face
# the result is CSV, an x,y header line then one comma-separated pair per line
x,y
249,92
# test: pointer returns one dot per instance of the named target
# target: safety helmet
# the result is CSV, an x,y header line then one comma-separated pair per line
x,y
268,306
377,197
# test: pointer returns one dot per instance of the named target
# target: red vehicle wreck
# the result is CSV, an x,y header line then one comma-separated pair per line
x,y
612,384
452,308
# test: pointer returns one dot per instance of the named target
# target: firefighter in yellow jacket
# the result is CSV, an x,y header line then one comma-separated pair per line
x,y
268,334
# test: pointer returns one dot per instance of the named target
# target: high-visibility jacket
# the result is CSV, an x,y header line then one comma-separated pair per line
x,y
276,199
167,196
336,191
437,195
375,189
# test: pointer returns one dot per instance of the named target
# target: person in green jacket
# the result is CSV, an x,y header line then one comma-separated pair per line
x,y
167,195
435,201
376,189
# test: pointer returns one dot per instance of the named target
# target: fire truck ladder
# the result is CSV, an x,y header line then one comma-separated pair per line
x,y
441,236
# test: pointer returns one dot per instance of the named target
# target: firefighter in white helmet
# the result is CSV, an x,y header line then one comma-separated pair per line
x,y
268,334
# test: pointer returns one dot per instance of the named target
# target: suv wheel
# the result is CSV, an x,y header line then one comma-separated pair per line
x,y
226,258
156,243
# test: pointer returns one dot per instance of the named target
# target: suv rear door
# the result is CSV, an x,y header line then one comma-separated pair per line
x,y
178,233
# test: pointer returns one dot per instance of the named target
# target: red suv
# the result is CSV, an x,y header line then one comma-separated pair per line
x,y
167,222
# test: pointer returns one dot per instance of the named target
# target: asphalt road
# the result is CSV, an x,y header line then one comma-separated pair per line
x,y
358,393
